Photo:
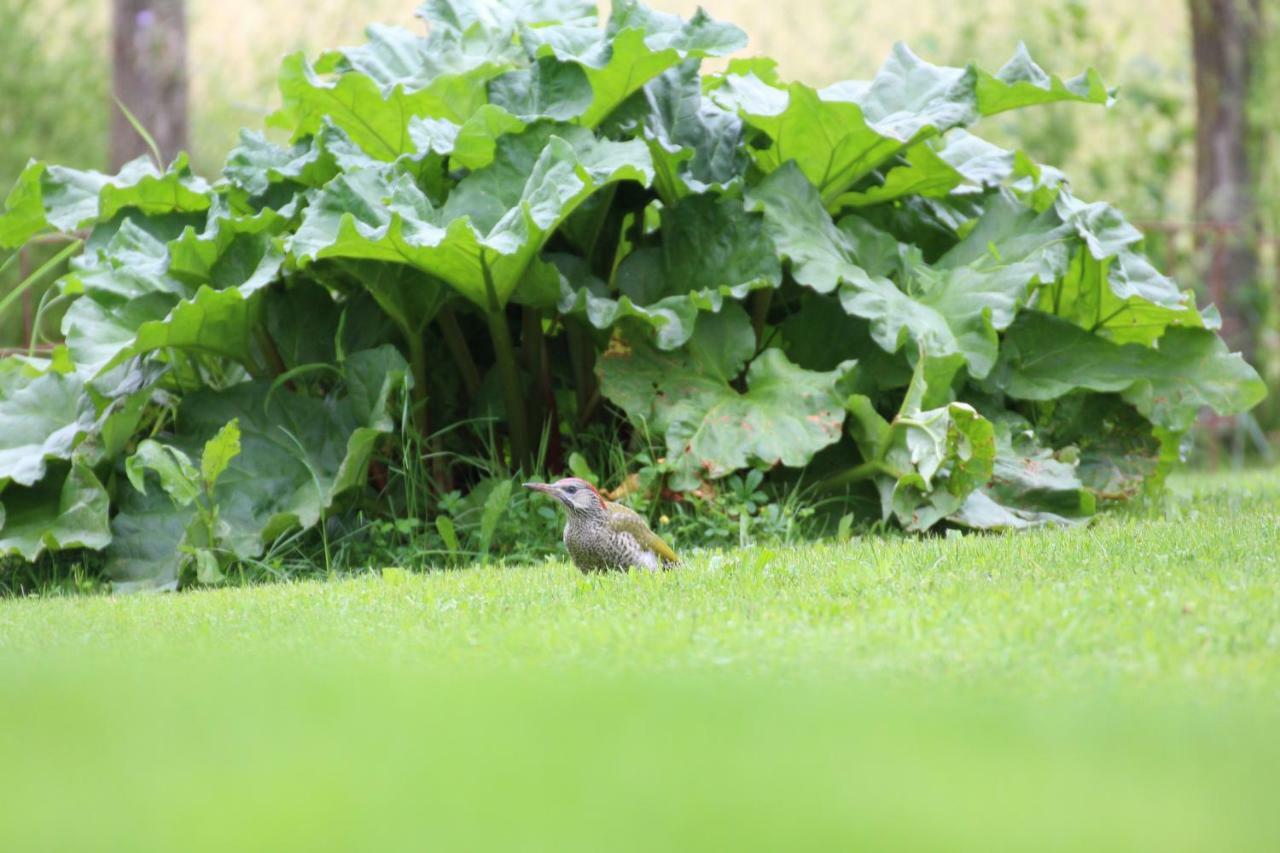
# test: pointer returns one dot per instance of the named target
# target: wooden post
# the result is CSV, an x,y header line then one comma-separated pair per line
x,y
149,69
1224,38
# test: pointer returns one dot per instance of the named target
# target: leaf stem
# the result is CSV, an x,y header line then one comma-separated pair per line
x,y
589,408
589,250
418,395
16,294
555,444
504,354
458,348
531,348
580,354
46,304
760,302
856,474
271,351
419,399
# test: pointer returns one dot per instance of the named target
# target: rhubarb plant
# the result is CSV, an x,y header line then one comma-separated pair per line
x,y
521,215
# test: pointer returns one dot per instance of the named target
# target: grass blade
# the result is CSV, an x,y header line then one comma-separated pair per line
x,y
142,131
16,294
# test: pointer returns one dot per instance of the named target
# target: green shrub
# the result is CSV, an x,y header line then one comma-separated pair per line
x,y
476,239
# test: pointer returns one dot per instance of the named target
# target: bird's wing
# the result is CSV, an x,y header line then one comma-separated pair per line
x,y
626,520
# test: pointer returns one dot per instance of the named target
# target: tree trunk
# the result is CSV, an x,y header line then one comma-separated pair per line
x,y
149,67
1224,38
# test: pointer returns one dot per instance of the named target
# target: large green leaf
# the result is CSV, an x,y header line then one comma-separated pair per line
x,y
546,167
637,45
178,477
821,335
42,417
123,285
313,328
377,121
830,141
232,251
826,259
632,370
407,295
297,455
132,304
1023,83
920,171
1104,229
585,295
841,133
711,429
69,199
472,144
696,145
958,163
455,19
147,537
979,285
1123,298
463,14
211,322
1044,358
709,245
546,89
910,99
980,163
1111,288
711,248
1120,455
925,462
578,72
952,308
1030,484
66,509
256,164
821,255
495,222
471,41
394,57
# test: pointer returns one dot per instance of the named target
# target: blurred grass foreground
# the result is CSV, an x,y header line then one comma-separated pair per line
x,y
1105,688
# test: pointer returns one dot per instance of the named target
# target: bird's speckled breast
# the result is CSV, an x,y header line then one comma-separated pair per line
x,y
596,548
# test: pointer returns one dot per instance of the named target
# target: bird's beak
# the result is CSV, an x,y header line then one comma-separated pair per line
x,y
545,488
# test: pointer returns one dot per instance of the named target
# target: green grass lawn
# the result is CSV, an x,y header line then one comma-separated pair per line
x,y
1115,687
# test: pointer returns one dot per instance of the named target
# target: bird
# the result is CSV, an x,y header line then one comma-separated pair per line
x,y
605,536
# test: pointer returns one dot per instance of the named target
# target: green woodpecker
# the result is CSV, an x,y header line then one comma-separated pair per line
x,y
602,536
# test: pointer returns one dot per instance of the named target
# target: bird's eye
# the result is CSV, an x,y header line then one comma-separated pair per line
x,y
570,489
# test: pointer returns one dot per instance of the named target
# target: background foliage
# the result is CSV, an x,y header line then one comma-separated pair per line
x,y
53,104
